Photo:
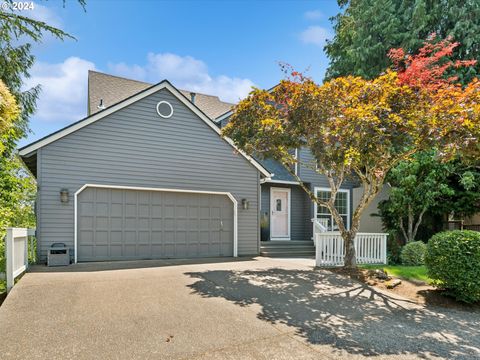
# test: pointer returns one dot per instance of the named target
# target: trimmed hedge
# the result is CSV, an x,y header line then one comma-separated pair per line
x,y
413,254
453,263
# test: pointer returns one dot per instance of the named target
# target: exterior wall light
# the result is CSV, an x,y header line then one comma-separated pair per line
x,y
64,196
245,204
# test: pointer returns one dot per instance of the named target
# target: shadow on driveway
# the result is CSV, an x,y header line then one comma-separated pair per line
x,y
329,309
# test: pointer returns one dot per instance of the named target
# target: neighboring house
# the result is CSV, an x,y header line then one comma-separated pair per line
x,y
147,175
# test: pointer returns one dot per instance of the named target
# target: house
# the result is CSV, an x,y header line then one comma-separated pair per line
x,y
147,175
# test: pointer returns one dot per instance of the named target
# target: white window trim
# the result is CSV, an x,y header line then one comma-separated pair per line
x,y
316,189
231,197
296,163
169,105
289,191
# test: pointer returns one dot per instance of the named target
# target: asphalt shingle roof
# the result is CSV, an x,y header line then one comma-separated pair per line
x,y
112,89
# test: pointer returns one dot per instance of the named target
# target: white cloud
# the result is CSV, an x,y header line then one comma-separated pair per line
x,y
64,89
45,14
187,73
316,35
313,15
65,85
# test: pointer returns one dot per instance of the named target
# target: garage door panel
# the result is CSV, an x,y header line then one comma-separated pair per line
x,y
157,237
102,195
144,237
144,250
85,251
169,250
156,251
116,237
101,238
204,212
116,223
144,210
131,210
116,210
135,224
156,211
85,222
130,237
130,251
116,251
204,237
87,237
157,224
130,223
169,211
102,223
101,251
144,224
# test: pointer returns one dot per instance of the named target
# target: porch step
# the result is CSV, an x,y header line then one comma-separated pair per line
x,y
287,248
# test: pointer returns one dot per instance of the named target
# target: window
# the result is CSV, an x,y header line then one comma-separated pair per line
x,y
279,205
342,204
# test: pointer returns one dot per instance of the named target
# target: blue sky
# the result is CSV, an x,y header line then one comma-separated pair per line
x,y
216,47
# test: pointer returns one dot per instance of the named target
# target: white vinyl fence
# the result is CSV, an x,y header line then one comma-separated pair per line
x,y
17,245
370,248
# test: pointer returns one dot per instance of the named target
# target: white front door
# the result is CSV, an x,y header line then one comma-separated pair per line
x,y
280,213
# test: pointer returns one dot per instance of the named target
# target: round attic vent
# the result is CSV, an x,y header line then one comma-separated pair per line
x,y
164,109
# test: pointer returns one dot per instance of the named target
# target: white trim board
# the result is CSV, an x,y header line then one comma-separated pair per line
x,y
231,197
286,182
153,89
289,191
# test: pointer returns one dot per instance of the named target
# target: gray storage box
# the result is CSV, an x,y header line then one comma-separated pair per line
x,y
58,255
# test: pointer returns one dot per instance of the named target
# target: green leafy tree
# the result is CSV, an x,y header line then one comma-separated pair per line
x,y
9,112
464,201
417,185
366,30
17,34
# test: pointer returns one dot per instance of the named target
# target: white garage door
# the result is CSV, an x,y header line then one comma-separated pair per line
x,y
117,224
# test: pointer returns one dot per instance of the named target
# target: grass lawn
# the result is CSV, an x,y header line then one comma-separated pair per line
x,y
418,273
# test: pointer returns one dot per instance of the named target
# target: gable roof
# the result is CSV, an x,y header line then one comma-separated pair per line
x,y
29,149
112,89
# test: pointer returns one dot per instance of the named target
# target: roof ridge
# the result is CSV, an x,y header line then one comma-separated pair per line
x,y
148,83
120,77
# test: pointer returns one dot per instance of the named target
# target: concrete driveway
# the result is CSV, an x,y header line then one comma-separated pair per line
x,y
248,309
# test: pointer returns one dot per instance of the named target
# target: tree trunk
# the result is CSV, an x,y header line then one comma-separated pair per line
x,y
410,224
350,256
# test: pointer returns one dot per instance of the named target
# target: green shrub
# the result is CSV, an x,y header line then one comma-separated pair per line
x,y
453,263
413,254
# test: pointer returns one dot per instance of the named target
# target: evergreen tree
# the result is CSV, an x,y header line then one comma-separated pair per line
x,y
365,30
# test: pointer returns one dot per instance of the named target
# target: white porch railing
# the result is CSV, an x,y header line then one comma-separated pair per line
x,y
16,253
319,226
370,248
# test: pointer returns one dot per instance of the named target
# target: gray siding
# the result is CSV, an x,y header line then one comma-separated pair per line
x,y
314,179
136,147
300,213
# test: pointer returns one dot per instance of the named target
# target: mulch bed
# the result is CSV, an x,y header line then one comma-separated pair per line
x,y
418,291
